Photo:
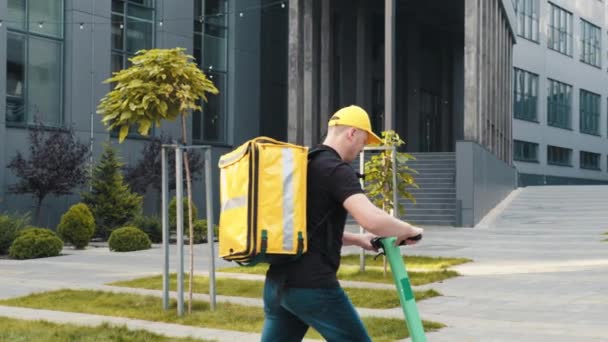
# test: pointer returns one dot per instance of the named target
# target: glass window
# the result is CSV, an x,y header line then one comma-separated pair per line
x,y
589,112
210,52
525,151
527,18
589,160
46,17
525,96
559,104
591,44
559,156
560,30
16,11
34,62
42,79
131,32
15,77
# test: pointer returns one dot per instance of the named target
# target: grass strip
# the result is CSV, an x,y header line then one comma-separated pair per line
x,y
417,262
16,330
250,319
361,297
372,274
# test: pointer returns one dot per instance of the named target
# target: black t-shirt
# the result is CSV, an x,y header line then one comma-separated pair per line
x,y
330,181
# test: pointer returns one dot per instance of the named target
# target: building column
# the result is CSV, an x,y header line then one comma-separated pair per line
x,y
302,95
325,109
389,64
295,73
472,78
362,48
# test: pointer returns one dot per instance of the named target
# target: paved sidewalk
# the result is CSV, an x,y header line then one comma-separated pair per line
x,y
540,272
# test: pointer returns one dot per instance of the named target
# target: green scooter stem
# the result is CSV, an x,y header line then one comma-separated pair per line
x,y
404,289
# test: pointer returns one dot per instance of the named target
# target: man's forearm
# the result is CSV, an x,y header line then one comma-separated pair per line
x,y
350,239
387,225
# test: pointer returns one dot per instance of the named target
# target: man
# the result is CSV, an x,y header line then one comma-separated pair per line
x,y
306,293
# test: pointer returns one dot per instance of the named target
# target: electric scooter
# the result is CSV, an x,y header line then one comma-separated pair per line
x,y
402,282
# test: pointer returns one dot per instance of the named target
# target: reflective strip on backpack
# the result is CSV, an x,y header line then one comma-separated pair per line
x,y
288,198
236,202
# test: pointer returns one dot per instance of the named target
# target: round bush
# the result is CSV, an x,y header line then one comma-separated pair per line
x,y
127,239
150,225
77,226
173,210
35,243
10,226
200,231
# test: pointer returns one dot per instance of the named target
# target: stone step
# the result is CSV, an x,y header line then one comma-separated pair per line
x,y
433,196
426,200
434,206
430,212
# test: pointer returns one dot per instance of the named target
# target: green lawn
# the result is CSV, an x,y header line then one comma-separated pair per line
x,y
372,274
250,319
364,298
15,330
412,262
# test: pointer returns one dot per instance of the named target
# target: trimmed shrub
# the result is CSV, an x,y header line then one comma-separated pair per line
x,y
77,226
10,225
200,231
173,218
34,242
151,225
127,239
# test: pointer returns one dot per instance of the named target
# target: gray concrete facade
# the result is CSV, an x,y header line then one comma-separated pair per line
x,y
481,188
289,66
538,58
87,62
452,81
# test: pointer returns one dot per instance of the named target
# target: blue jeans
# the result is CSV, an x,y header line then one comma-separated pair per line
x,y
290,311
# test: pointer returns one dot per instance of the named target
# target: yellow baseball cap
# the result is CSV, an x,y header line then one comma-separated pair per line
x,y
355,116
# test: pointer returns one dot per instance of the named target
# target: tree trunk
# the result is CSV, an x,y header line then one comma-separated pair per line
x,y
190,223
37,212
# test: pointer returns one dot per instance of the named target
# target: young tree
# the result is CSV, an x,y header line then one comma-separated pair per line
x,y
147,171
379,177
161,84
56,164
110,199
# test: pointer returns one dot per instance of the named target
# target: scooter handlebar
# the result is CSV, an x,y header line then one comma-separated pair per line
x,y
377,243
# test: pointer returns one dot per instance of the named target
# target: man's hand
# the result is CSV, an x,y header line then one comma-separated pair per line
x,y
403,239
365,242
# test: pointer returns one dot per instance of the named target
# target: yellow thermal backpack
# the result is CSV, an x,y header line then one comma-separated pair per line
x,y
263,202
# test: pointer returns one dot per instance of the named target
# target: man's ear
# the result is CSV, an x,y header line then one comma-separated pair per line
x,y
351,132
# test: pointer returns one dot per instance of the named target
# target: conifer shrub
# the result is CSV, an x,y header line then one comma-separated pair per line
x,y
111,201
34,242
127,239
173,217
77,226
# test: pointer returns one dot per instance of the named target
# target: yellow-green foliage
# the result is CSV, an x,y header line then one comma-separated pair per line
x,y
161,84
127,239
77,226
35,242
379,174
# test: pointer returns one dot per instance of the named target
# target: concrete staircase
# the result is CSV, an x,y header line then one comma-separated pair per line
x,y
436,197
